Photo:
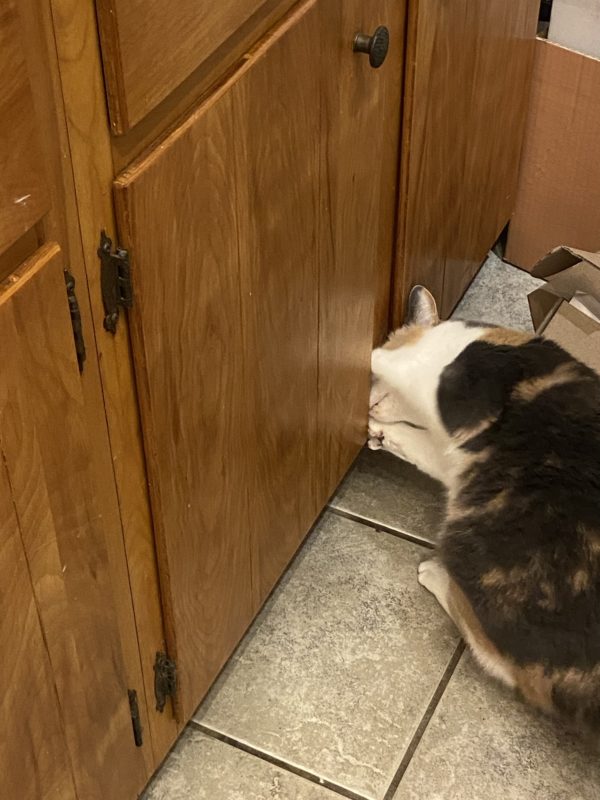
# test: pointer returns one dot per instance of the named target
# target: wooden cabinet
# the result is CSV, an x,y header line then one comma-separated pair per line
x,y
360,128
33,756
149,48
23,190
467,88
45,453
253,320
69,729
151,501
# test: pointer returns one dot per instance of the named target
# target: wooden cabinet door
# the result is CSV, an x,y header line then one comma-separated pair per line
x,y
255,232
44,447
183,35
360,120
225,344
34,762
467,87
24,196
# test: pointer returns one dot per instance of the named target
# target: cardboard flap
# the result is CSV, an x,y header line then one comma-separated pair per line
x,y
581,277
576,333
557,260
591,258
542,304
562,258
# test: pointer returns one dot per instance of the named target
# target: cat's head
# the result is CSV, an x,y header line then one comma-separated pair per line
x,y
436,377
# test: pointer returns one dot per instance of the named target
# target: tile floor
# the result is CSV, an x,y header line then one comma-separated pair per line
x,y
352,683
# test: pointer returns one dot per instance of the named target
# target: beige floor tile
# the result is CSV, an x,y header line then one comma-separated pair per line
x,y
337,671
200,768
387,491
484,744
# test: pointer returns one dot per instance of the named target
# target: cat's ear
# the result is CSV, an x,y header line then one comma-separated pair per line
x,y
422,309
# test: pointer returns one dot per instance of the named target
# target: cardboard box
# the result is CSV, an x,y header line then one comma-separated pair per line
x,y
558,195
576,24
567,308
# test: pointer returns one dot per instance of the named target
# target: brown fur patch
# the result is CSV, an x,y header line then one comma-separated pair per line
x,y
515,586
592,539
506,336
553,461
463,435
532,387
467,462
457,511
580,580
535,686
511,587
548,601
403,336
466,620
497,503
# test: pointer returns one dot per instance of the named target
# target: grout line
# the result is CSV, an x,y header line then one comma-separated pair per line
x,y
378,526
277,762
418,735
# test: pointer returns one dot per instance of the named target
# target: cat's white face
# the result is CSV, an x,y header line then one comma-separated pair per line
x,y
404,416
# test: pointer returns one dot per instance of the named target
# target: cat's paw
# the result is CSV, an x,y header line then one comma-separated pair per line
x,y
383,406
432,576
375,440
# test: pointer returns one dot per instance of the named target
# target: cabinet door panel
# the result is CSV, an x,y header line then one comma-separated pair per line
x,y
188,351
360,111
23,193
225,329
33,755
184,34
255,231
466,99
45,448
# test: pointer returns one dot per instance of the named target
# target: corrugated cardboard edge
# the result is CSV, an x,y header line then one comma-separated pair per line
x,y
545,301
561,258
542,307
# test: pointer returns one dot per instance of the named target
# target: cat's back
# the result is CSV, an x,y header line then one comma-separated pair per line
x,y
522,537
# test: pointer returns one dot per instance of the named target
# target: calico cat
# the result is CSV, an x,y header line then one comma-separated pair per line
x,y
510,424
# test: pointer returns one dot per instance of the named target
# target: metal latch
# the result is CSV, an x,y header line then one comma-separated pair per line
x,y
135,717
75,319
115,280
165,680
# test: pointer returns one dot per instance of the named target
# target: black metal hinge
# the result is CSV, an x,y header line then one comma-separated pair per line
x,y
75,319
136,722
115,280
165,680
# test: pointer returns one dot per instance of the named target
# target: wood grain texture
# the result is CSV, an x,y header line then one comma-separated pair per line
x,y
204,80
46,452
226,341
187,337
18,252
134,32
360,110
88,140
34,762
277,195
23,190
61,224
467,86
389,117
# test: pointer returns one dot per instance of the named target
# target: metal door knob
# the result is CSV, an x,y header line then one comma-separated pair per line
x,y
376,46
